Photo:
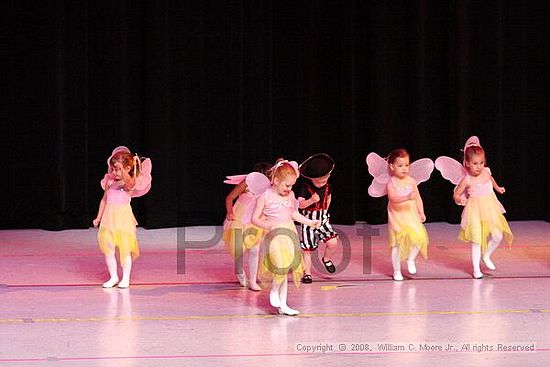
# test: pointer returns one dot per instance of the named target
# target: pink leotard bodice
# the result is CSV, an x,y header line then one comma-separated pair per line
x,y
279,211
481,189
401,190
117,195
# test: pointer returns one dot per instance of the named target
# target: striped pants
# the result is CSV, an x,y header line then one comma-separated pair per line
x,y
312,236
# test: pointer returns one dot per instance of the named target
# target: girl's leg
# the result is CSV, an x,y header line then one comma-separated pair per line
x,y
274,298
396,263
110,260
306,257
126,270
308,245
476,257
496,237
410,261
253,255
241,278
330,249
283,292
239,271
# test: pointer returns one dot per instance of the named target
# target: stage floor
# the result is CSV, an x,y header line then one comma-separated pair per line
x,y
185,308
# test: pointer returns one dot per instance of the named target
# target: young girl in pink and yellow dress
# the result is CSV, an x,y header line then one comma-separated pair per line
x,y
240,236
127,176
398,178
276,210
483,224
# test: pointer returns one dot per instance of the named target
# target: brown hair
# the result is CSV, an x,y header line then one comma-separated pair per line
x,y
397,153
471,151
127,160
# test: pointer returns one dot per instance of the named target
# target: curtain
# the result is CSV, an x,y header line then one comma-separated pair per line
x,y
208,88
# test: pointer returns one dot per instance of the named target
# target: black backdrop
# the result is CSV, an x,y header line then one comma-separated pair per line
x,y
207,88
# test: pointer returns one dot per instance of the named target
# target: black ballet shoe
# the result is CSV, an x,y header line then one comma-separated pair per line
x,y
329,265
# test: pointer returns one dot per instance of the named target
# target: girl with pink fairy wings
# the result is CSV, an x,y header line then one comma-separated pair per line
x,y
276,210
398,179
483,223
239,234
127,176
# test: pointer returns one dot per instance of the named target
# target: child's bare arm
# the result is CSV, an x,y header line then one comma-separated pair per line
x,y
499,189
304,203
230,198
457,195
97,219
257,215
297,217
419,204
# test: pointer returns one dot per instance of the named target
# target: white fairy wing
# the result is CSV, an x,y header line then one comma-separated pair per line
x,y
378,169
378,189
421,170
235,179
257,183
143,180
450,169
377,165
107,180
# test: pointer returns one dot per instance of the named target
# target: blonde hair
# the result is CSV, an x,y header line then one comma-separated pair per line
x,y
282,169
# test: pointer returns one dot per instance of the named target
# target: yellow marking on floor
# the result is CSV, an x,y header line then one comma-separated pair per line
x,y
256,316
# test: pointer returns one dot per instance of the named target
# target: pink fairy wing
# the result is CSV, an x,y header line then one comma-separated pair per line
x,y
450,169
421,170
472,140
105,182
377,165
235,179
143,180
378,189
257,183
378,168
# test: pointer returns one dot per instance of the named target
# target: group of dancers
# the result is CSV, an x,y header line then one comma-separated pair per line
x,y
264,206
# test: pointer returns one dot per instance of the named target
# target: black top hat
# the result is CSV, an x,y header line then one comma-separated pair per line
x,y
318,165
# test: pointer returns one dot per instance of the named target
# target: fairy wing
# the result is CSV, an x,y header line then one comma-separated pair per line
x,y
421,169
107,180
257,183
450,169
378,169
235,179
143,180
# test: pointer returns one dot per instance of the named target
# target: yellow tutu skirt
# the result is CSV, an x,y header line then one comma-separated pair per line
x,y
482,216
282,254
406,230
118,230
239,236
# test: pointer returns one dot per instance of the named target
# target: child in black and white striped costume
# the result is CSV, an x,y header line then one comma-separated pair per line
x,y
314,195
